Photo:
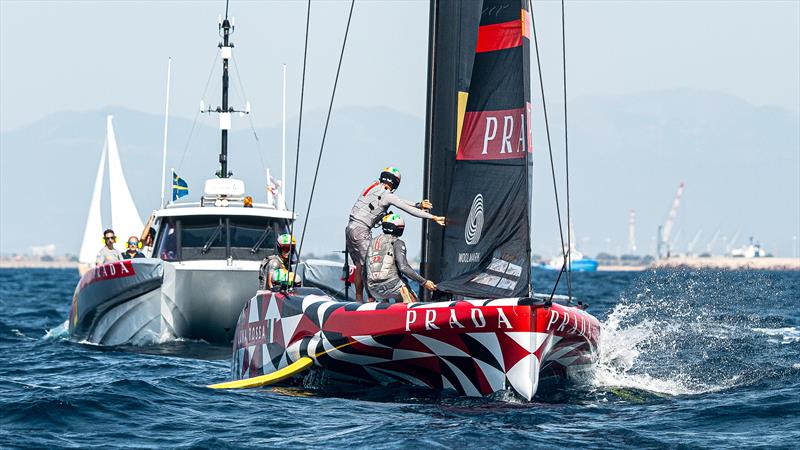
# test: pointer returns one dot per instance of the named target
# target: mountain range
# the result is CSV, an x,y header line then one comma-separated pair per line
x,y
740,163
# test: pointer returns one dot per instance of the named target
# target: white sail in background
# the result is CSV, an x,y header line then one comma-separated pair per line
x,y
94,227
125,219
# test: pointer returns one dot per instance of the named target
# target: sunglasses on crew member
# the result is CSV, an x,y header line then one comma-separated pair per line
x,y
110,238
133,244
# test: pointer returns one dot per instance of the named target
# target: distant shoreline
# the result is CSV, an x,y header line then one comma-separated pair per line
x,y
33,264
730,263
725,263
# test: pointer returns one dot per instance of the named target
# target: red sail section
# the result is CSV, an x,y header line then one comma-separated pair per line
x,y
499,36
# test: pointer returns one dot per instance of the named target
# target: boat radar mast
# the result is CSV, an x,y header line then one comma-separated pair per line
x,y
226,28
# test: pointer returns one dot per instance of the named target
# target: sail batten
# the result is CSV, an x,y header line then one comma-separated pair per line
x,y
485,248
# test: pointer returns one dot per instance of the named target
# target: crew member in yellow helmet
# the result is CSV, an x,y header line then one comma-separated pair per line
x,y
285,246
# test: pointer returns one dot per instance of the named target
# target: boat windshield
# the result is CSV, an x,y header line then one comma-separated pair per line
x,y
218,237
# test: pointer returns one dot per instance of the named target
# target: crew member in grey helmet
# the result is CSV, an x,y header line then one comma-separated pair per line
x,y
387,263
370,207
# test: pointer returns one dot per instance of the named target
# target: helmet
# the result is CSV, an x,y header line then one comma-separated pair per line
x,y
282,277
393,224
391,176
285,242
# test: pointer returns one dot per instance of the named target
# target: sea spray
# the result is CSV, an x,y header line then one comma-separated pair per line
x,y
674,333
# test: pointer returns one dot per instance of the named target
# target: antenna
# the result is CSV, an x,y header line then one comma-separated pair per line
x,y
166,126
283,139
225,111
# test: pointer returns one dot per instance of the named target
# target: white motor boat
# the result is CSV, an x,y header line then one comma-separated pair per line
x,y
205,258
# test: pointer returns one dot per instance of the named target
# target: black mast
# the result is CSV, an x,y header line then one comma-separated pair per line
x,y
449,44
225,47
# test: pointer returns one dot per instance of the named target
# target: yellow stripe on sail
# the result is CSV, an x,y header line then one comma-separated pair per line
x,y
462,109
274,377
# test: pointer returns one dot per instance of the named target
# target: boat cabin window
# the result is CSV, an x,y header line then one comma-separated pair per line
x,y
218,237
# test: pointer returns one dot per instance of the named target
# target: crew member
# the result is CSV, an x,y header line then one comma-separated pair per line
x,y
285,245
370,207
108,253
133,249
387,263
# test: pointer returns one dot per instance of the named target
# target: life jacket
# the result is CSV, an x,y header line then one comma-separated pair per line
x,y
270,262
380,259
368,209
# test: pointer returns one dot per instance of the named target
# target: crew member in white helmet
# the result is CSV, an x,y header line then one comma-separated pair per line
x,y
370,207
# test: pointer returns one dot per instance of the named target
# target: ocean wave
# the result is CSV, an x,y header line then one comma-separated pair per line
x,y
788,335
684,344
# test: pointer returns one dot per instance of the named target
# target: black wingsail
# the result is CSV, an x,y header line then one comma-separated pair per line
x,y
478,148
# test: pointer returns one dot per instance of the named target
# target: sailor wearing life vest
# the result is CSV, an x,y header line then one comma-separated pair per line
x,y
285,245
370,207
387,263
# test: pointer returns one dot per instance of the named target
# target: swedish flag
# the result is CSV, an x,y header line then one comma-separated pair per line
x,y
179,187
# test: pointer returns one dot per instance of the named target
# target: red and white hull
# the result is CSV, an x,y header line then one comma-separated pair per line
x,y
474,347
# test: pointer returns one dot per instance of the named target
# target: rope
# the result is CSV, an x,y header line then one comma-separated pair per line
x,y
197,114
243,94
299,125
568,260
549,146
325,131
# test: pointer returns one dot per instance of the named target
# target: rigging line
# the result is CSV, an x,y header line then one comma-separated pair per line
x,y
566,151
526,133
325,131
549,144
197,114
299,126
249,114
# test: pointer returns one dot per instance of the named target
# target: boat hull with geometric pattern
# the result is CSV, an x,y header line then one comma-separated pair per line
x,y
472,347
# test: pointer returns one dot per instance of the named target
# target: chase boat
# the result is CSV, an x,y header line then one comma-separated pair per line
x,y
204,267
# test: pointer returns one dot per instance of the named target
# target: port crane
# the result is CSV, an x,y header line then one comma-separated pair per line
x,y
664,232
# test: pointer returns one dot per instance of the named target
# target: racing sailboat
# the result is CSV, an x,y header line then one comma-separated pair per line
x,y
487,331
125,219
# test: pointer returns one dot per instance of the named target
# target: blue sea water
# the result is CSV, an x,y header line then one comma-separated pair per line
x,y
689,359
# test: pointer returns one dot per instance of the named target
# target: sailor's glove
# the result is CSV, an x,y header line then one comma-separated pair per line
x,y
425,204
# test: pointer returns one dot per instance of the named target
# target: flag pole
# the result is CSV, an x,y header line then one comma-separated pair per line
x,y
166,125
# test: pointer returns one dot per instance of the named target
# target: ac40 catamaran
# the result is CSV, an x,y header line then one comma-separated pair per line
x,y
491,333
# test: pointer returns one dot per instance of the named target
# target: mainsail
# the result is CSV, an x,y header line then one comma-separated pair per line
x,y
125,219
94,222
478,147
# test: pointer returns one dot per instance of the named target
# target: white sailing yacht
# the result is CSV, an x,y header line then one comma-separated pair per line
x,y
125,219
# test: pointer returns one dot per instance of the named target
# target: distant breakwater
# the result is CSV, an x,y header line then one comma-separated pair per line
x,y
719,262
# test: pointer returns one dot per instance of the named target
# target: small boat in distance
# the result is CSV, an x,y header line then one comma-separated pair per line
x,y
125,219
205,260
578,262
751,250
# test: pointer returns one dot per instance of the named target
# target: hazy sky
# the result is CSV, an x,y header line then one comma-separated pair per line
x,y
86,55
